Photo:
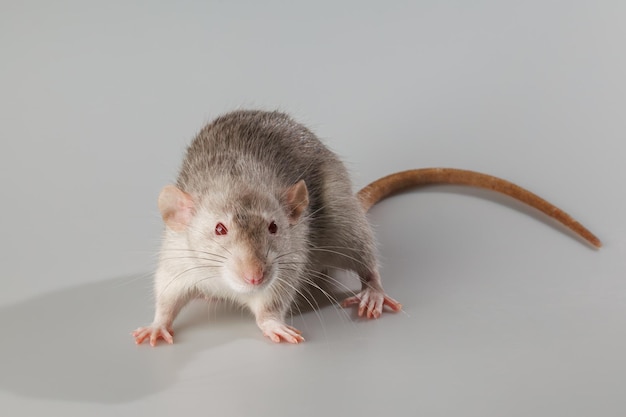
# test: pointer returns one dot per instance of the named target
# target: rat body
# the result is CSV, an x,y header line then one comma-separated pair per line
x,y
262,208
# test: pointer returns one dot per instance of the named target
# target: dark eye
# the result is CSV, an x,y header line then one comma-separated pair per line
x,y
272,228
220,229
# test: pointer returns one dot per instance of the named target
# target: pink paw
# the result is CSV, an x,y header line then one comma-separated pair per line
x,y
278,332
153,333
371,303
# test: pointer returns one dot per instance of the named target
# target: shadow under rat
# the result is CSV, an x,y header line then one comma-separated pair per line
x,y
74,344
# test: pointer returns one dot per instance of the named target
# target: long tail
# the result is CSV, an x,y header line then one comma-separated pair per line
x,y
401,181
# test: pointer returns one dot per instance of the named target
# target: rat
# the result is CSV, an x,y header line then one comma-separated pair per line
x,y
262,208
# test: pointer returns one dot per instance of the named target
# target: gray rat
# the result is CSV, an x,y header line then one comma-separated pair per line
x,y
261,209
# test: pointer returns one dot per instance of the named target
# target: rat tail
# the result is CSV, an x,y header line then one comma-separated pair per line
x,y
401,181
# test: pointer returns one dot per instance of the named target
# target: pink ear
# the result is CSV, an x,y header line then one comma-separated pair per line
x,y
176,208
297,200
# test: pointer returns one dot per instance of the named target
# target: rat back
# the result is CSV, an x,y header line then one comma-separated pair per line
x,y
256,148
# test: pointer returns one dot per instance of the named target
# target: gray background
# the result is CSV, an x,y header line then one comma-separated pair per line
x,y
505,314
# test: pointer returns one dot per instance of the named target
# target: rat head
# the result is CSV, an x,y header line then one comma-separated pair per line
x,y
245,235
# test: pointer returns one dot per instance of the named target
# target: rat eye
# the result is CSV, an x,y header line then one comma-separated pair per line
x,y
272,228
220,229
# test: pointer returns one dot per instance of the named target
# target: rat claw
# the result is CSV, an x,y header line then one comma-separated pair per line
x,y
371,303
392,304
350,301
277,332
153,333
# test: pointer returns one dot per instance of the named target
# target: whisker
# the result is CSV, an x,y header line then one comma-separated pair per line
x,y
325,277
333,300
207,278
325,249
194,250
334,252
319,317
132,280
276,293
186,271
288,253
193,257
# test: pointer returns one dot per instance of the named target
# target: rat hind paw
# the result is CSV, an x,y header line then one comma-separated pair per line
x,y
153,333
371,303
277,332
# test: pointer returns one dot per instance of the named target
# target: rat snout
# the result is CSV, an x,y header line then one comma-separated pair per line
x,y
251,268
253,273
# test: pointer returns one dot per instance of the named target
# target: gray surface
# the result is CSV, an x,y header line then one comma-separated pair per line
x,y
505,315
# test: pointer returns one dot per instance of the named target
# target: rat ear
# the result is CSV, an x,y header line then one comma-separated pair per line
x,y
176,208
297,200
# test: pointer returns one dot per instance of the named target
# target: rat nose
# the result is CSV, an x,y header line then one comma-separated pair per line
x,y
254,275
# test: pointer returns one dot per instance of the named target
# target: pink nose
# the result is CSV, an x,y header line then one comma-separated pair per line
x,y
254,276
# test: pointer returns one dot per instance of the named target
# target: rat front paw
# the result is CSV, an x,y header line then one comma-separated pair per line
x,y
153,333
371,303
278,332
